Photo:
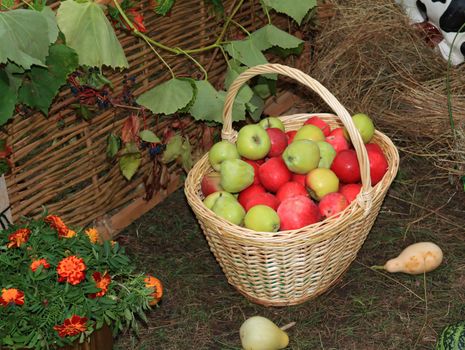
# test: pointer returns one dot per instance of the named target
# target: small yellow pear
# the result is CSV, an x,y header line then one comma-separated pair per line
x,y
259,333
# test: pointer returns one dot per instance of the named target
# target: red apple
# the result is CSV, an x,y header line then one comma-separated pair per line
x,y
210,183
378,163
345,166
317,121
264,198
300,178
337,139
250,192
278,140
273,174
350,191
297,212
255,164
332,204
290,135
291,189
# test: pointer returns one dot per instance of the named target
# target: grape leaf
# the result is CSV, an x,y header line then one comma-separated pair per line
x,y
113,145
208,104
168,97
238,112
49,16
164,6
173,149
255,107
90,34
149,136
24,37
296,9
8,97
130,161
186,155
234,69
42,86
246,52
217,5
265,87
269,36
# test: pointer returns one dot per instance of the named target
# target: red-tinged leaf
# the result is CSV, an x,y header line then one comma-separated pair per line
x,y
207,137
137,19
130,131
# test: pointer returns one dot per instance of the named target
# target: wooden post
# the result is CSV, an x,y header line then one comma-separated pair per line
x,y
5,211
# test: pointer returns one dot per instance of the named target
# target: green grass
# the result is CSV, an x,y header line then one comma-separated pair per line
x,y
366,309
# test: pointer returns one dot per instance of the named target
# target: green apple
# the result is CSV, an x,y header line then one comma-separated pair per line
x,y
271,122
253,142
210,200
321,181
262,218
327,154
236,175
301,156
309,132
229,209
221,151
364,125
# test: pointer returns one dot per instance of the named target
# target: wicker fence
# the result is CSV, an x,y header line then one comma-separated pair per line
x,y
60,162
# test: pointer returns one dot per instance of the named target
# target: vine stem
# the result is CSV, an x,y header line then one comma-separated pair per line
x,y
144,37
205,74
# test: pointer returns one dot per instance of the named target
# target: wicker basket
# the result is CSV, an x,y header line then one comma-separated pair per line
x,y
290,267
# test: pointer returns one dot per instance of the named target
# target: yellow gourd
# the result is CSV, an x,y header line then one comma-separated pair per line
x,y
259,333
416,259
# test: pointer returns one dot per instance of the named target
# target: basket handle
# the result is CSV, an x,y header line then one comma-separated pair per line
x,y
229,134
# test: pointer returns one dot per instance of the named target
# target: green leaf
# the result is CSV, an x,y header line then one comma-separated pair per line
x,y
246,52
168,97
113,145
164,6
234,69
255,107
269,36
217,5
173,149
149,136
50,17
9,85
208,104
90,34
42,87
265,87
130,161
24,38
296,9
6,4
186,155
238,112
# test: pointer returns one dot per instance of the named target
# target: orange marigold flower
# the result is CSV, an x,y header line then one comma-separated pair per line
x,y
102,282
71,270
71,326
11,296
36,263
93,235
155,284
56,223
18,238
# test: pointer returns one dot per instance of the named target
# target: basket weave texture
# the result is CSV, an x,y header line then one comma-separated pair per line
x,y
291,267
60,161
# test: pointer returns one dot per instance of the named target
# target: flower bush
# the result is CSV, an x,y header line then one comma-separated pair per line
x,y
58,285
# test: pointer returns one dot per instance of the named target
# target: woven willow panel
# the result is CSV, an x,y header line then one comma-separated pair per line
x,y
60,161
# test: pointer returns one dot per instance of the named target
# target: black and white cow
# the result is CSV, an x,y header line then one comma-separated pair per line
x,y
447,16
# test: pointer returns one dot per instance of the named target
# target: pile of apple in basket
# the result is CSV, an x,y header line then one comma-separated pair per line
x,y
273,180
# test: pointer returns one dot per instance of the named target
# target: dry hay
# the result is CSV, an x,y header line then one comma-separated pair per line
x,y
372,60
